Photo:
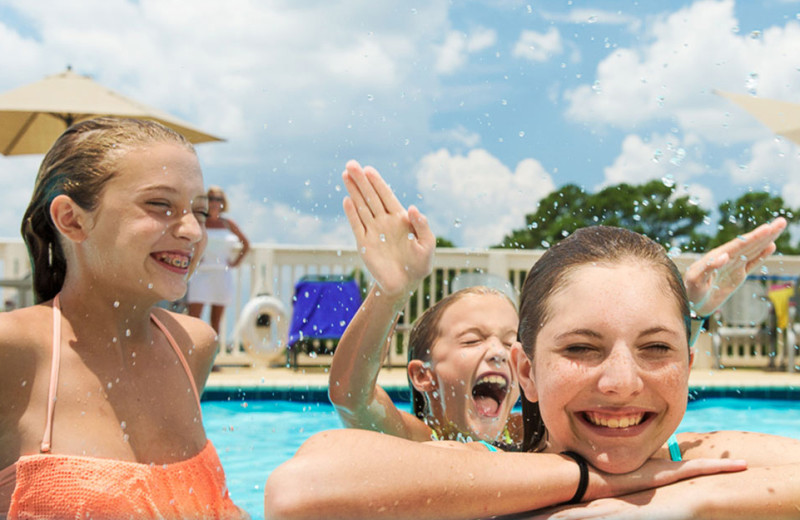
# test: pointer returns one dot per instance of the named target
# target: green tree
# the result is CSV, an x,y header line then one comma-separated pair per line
x,y
649,208
750,210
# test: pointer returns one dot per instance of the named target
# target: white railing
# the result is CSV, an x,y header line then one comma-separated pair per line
x,y
274,270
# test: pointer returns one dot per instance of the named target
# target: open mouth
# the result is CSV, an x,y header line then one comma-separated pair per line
x,y
616,421
175,261
489,393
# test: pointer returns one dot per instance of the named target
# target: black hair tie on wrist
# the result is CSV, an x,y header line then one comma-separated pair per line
x,y
583,483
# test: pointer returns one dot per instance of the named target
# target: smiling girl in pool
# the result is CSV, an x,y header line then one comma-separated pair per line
x,y
458,370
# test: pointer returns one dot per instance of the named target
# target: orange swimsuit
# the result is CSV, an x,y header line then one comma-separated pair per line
x,y
69,486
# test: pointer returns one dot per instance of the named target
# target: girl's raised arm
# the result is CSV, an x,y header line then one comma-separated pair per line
x,y
397,248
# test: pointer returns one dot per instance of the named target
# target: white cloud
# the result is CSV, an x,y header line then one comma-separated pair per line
x,y
791,193
593,16
539,47
457,46
687,54
772,162
660,157
475,200
276,222
459,136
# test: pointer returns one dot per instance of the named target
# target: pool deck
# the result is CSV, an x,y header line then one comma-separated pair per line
x,y
316,379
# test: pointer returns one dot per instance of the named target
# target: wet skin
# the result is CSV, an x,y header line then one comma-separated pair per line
x,y
611,379
476,333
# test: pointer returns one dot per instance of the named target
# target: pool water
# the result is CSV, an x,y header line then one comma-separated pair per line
x,y
254,437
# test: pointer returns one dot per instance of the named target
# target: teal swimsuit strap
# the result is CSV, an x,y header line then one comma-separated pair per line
x,y
488,446
674,448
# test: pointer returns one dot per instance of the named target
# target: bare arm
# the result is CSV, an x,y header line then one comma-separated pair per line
x,y
362,474
769,488
242,238
397,247
711,280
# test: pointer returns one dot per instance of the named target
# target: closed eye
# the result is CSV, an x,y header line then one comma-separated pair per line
x,y
579,349
659,348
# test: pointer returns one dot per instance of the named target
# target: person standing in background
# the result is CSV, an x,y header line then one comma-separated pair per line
x,y
212,283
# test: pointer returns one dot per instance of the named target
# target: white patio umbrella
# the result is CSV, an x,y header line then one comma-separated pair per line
x,y
33,116
782,117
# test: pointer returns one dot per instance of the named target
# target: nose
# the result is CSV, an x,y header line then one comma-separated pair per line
x,y
190,228
497,352
620,373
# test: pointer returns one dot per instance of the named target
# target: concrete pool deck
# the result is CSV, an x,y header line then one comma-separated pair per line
x,y
316,378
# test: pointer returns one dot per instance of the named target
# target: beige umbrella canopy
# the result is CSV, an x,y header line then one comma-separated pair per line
x,y
33,116
782,117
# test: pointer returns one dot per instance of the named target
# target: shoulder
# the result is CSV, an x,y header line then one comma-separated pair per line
x,y
25,341
196,339
759,449
25,328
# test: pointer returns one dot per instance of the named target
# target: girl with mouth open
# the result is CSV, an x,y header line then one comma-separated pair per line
x,y
100,387
603,362
459,349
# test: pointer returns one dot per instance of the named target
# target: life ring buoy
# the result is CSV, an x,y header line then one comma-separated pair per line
x,y
263,326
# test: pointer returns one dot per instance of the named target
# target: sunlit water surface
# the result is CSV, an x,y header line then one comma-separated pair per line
x,y
254,437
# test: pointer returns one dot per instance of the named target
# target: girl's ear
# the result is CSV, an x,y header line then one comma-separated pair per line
x,y
421,376
69,218
523,367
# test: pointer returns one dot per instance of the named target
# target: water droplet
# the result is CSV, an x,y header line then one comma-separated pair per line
x,y
755,35
668,181
363,250
116,305
596,87
370,97
123,425
342,323
109,385
521,133
150,286
382,237
127,333
545,244
591,19
411,236
169,213
457,223
504,102
657,155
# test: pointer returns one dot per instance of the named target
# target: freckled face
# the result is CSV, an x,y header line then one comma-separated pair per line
x,y
148,231
475,386
611,366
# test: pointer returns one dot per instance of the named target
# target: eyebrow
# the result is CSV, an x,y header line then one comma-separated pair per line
x,y
170,189
479,330
594,334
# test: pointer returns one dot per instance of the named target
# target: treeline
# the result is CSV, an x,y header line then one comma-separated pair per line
x,y
654,210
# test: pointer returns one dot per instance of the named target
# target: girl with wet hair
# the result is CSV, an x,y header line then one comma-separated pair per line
x,y
604,353
115,225
459,349
459,373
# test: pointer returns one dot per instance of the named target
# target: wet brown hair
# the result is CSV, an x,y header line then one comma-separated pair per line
x,y
426,331
78,165
596,244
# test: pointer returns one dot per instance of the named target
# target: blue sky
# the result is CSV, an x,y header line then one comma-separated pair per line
x,y
473,110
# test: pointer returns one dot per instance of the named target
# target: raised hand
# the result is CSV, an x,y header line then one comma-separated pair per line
x,y
396,245
712,279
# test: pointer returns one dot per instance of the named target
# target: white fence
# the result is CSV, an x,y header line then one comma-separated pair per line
x,y
275,270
